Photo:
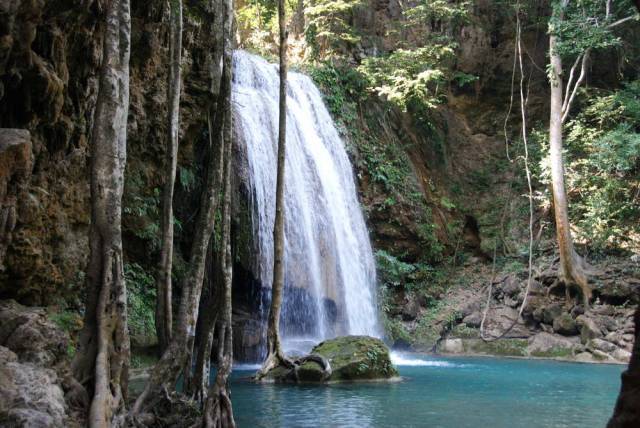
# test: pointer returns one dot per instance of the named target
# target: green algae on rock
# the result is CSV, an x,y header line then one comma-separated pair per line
x,y
352,358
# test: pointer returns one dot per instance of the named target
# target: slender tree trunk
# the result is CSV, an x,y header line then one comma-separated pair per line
x,y
571,265
178,354
103,356
275,355
218,411
164,316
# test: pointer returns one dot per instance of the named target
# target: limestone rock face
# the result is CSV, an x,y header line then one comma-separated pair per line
x,y
27,332
548,345
33,364
30,396
15,169
451,346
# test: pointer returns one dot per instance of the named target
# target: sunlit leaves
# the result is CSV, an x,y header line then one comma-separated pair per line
x,y
328,25
585,24
407,76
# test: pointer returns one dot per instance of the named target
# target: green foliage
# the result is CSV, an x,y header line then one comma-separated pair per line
x,y
142,360
342,88
257,22
395,330
409,78
187,178
142,209
584,24
602,172
393,272
141,300
328,27
69,321
415,77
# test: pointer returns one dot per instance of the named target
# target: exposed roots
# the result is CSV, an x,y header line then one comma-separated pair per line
x,y
273,360
316,358
279,360
218,411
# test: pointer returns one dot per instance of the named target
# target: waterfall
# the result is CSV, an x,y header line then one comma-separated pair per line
x,y
329,266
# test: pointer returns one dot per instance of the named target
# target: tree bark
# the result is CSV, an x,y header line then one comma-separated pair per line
x,y
218,411
164,315
102,360
178,354
275,356
627,410
206,324
571,265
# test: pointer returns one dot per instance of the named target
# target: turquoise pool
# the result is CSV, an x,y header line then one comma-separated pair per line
x,y
440,392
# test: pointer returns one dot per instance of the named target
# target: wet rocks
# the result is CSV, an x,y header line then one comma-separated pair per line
x,y
565,325
352,358
356,358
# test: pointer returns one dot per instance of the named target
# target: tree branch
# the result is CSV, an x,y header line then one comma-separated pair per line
x,y
570,82
622,20
583,72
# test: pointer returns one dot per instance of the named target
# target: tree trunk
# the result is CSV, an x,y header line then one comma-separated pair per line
x,y
571,265
178,354
102,360
206,324
627,411
218,411
164,316
275,355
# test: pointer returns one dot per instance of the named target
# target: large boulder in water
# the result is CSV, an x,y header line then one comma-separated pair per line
x,y
352,358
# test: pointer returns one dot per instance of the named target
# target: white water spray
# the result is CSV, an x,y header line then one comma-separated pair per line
x,y
329,266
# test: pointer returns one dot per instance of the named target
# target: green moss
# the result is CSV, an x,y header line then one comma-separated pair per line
x,y
501,347
554,352
352,358
142,359
464,332
396,331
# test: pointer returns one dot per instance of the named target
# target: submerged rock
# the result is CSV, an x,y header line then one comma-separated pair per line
x,y
352,358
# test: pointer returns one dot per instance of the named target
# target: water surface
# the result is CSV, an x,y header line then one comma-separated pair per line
x,y
441,392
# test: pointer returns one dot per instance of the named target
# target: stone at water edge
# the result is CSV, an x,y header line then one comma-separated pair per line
x,y
355,358
352,358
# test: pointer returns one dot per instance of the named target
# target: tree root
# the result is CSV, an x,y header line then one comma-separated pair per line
x,y
218,411
275,360
316,358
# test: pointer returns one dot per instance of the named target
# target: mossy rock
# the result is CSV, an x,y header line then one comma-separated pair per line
x,y
503,347
352,358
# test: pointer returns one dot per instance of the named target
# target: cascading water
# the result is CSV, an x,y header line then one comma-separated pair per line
x,y
329,265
